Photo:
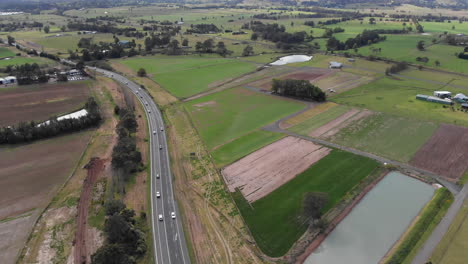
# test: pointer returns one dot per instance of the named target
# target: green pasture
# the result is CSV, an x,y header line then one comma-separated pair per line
x,y
23,60
4,52
319,120
397,138
398,96
242,146
186,76
274,220
230,114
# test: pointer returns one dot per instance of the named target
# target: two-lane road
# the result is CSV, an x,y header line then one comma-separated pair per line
x,y
168,237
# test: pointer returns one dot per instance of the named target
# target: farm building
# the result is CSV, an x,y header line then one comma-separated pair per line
x,y
433,99
124,43
461,98
2,81
443,94
10,79
464,106
74,72
335,65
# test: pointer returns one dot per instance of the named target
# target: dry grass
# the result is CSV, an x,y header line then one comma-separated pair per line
x,y
306,115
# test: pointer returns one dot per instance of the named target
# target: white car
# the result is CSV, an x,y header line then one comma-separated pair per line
x,y
154,132
158,194
149,111
162,128
173,215
160,217
126,83
160,146
157,176
136,92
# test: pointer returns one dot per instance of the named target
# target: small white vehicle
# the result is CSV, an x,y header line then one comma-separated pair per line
x,y
160,146
162,128
136,92
157,176
158,195
126,83
160,217
149,111
154,132
173,215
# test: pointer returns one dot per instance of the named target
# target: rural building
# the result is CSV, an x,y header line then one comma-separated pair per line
x,y
335,65
433,99
461,98
464,106
10,79
124,43
443,94
351,60
2,81
74,72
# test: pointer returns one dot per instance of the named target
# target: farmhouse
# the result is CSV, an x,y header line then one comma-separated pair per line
x,y
433,99
335,65
443,94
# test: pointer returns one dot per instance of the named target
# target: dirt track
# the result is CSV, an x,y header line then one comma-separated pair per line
x,y
446,152
94,167
263,171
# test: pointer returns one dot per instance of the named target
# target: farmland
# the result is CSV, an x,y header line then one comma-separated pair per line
x,y
227,115
376,134
4,52
319,120
22,60
335,174
184,77
40,101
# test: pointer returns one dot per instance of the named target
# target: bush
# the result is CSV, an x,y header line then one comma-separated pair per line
x,y
298,88
141,72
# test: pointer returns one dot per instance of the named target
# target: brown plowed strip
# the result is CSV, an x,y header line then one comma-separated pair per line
x,y
334,123
263,171
344,124
94,167
446,152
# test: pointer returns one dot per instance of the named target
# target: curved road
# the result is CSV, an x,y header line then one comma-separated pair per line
x,y
168,237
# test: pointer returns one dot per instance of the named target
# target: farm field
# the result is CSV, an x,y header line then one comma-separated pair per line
x,y
393,137
398,96
335,174
38,102
263,171
306,115
187,76
318,120
242,146
445,153
23,60
4,52
232,113
453,248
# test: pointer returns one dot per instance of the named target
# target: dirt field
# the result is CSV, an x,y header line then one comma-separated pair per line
x,y
13,233
446,152
340,81
312,75
39,102
334,126
263,171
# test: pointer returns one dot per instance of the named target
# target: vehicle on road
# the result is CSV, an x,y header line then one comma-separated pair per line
x,y
154,132
157,176
160,146
149,111
158,194
160,217
162,128
173,215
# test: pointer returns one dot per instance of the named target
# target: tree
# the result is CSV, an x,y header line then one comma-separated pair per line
x,y
420,45
141,72
173,47
46,29
312,205
254,36
185,43
114,207
221,49
208,45
248,51
111,254
11,40
437,63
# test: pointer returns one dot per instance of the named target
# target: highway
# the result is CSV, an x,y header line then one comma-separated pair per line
x,y
168,237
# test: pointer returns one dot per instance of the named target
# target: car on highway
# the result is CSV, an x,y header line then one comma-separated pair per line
x,y
154,132
173,215
157,176
162,128
149,111
136,92
126,83
160,146
146,104
158,194
160,217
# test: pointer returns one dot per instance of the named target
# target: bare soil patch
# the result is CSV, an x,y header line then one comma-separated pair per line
x,y
334,126
13,233
205,104
446,152
39,102
263,171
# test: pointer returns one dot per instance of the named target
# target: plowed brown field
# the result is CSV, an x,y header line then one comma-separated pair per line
x,y
446,152
263,171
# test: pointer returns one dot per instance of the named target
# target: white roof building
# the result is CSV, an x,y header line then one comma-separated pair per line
x,y
335,65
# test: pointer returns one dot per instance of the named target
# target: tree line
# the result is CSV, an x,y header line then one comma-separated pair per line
x,y
31,131
275,33
298,88
125,242
203,29
367,37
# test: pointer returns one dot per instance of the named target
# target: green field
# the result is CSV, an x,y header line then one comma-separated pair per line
x,y
23,60
242,146
273,220
398,96
393,137
319,120
227,115
185,76
4,52
453,248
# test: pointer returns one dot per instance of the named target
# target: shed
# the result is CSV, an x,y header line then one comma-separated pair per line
x,y
461,98
2,81
335,65
124,43
351,60
443,94
464,106
10,79
73,72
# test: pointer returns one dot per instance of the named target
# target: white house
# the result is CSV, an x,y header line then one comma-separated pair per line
x,y
10,79
443,94
335,65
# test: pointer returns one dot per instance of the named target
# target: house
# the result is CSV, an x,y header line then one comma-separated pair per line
x,y
335,65
124,43
10,79
443,94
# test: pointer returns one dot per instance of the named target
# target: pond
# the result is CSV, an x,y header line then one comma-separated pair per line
x,y
291,59
376,223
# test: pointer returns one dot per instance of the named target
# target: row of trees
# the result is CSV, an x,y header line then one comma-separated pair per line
x,y
208,46
203,29
30,131
367,37
275,33
125,242
28,73
396,68
298,88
